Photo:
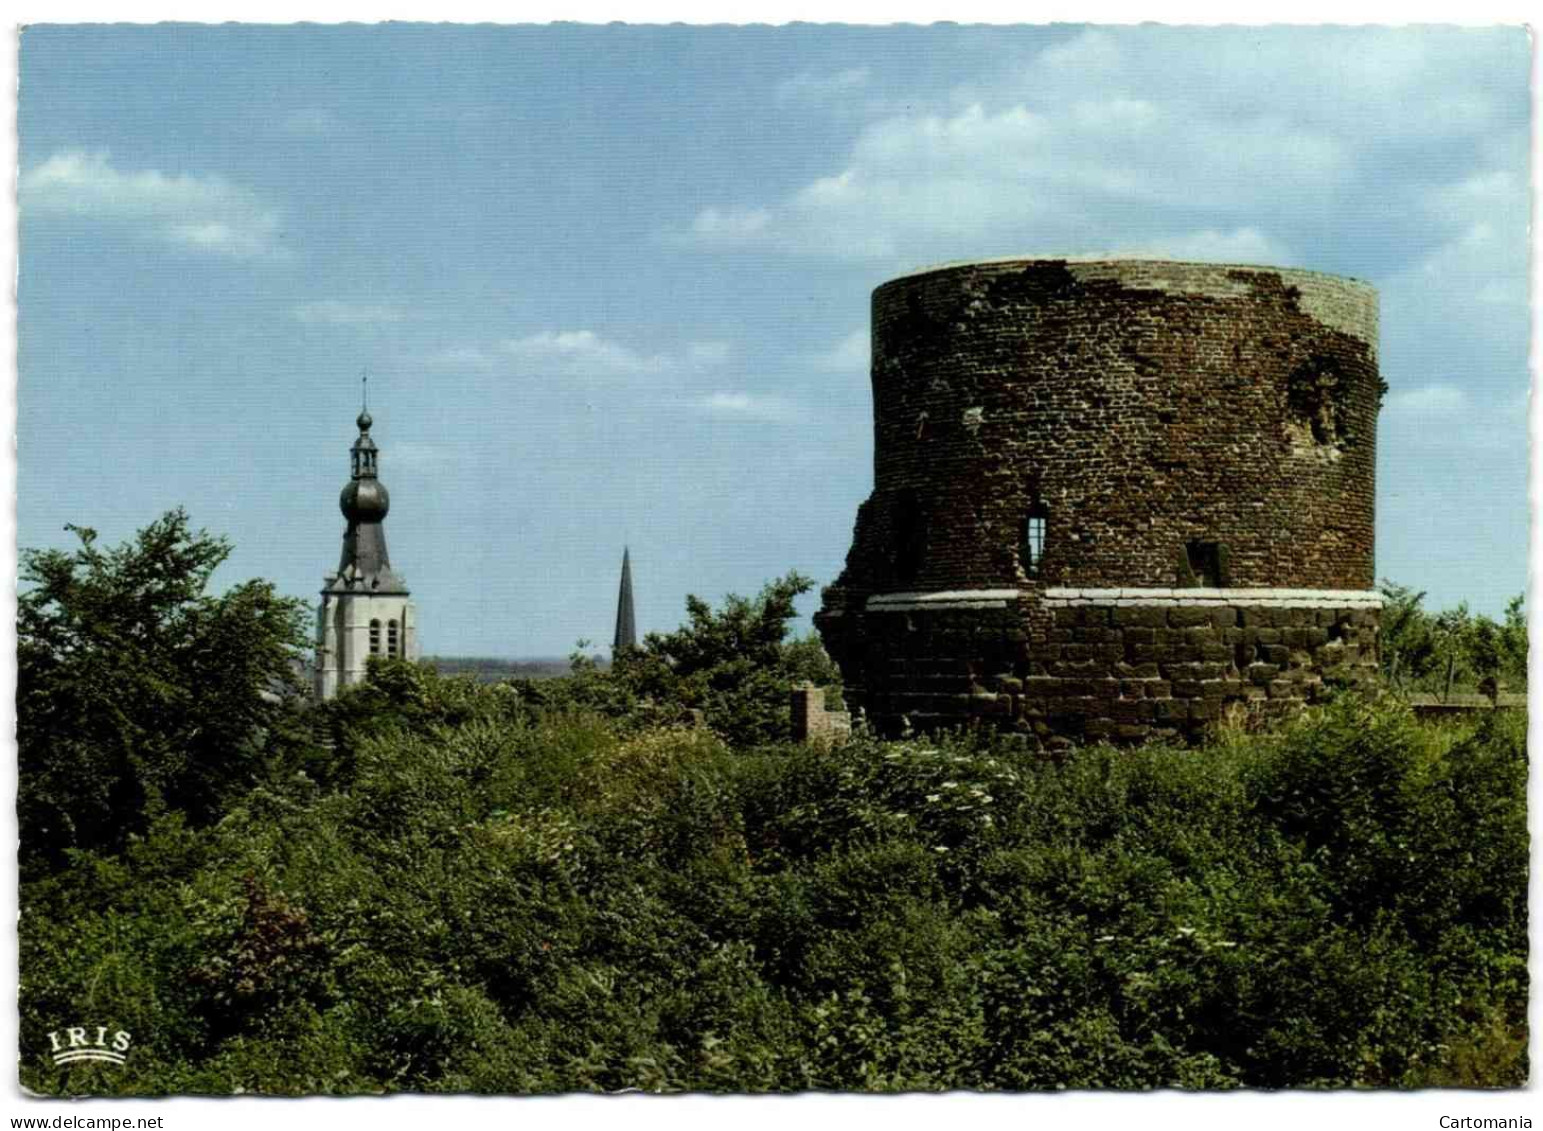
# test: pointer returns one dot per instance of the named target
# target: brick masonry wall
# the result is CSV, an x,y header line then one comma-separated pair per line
x,y
1139,407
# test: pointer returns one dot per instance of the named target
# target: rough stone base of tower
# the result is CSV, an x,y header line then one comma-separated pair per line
x,y
1091,665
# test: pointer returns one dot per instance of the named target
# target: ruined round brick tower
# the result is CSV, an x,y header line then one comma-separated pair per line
x,y
1112,497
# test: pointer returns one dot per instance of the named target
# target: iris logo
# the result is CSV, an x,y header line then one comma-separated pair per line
x,y
83,1043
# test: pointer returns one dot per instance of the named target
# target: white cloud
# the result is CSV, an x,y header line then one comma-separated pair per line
x,y
807,88
984,181
709,353
750,406
1460,310
1214,143
462,357
1091,51
1241,245
1479,215
1427,401
312,120
579,353
420,456
337,312
851,353
730,225
1327,77
1448,418
1484,189
204,213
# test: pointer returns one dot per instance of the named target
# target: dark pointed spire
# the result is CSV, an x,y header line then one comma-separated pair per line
x,y
626,621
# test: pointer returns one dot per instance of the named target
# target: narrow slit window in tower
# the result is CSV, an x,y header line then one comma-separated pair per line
x,y
391,638
1032,547
375,638
910,526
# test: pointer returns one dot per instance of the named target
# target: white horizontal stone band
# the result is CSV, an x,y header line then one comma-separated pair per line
x,y
1065,597
1266,598
935,602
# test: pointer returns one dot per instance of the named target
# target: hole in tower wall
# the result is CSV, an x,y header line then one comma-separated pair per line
x,y
1314,392
1207,565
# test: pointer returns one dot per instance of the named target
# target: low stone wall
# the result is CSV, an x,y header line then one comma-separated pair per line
x,y
813,723
1122,664
1436,706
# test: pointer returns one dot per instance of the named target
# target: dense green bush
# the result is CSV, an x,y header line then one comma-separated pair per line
x,y
477,892
626,879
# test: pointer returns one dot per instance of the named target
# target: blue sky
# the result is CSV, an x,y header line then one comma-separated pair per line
x,y
611,284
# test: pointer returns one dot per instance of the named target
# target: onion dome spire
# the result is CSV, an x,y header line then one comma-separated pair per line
x,y
365,564
365,419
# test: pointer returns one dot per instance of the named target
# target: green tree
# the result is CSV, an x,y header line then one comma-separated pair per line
x,y
138,693
1499,650
1429,652
734,664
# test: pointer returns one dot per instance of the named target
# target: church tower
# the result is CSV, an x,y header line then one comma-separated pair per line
x,y
364,608
626,623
